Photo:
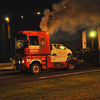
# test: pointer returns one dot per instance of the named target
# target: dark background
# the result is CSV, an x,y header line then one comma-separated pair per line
x,y
14,9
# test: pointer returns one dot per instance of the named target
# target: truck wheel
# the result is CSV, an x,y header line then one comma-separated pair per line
x,y
35,68
71,65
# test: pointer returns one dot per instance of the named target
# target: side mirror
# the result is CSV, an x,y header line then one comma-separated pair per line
x,y
28,42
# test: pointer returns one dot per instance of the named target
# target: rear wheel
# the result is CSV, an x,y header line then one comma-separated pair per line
x,y
71,65
35,68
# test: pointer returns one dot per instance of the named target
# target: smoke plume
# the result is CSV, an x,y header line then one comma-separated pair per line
x,y
71,16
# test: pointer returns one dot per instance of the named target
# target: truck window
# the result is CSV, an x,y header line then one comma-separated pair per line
x,y
33,40
42,42
20,41
58,46
55,46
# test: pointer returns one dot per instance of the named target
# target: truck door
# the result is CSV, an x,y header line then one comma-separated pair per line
x,y
42,45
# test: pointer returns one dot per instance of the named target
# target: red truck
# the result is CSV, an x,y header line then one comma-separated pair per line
x,y
33,52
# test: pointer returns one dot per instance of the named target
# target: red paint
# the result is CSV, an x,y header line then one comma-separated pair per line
x,y
39,52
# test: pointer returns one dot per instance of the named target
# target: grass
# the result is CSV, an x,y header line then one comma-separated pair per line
x,y
76,87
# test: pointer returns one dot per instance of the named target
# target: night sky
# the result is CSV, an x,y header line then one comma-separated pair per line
x,y
17,8
64,19
27,8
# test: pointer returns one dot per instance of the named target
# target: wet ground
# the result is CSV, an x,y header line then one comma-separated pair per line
x,y
12,76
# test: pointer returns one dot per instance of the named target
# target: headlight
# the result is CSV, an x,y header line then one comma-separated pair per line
x,y
19,62
23,61
14,62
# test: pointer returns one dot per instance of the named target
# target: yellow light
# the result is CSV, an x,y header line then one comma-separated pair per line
x,y
47,32
38,13
93,33
19,61
64,7
7,19
61,47
22,61
22,17
13,61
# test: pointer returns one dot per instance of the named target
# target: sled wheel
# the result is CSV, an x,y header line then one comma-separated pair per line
x,y
71,65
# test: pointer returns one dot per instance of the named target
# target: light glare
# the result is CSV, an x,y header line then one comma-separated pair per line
x,y
93,33
38,13
7,19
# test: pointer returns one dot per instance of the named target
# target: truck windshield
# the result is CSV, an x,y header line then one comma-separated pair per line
x,y
21,42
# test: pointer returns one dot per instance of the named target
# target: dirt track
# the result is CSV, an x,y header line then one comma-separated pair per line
x,y
11,77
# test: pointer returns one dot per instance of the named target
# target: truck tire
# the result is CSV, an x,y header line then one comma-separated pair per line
x,y
35,68
71,65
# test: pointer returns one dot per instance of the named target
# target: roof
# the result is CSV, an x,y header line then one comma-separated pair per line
x,y
29,32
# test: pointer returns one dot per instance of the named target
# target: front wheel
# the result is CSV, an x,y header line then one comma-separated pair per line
x,y
71,65
35,68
